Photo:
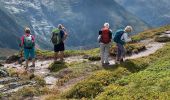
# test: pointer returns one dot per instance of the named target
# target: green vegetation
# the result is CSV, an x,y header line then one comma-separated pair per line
x,y
130,48
144,78
32,91
45,54
150,33
56,66
95,84
76,69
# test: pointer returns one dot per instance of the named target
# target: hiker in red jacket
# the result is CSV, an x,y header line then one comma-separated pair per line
x,y
104,38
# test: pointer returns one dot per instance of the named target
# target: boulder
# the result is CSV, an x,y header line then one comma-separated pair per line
x,y
162,38
3,73
167,32
12,59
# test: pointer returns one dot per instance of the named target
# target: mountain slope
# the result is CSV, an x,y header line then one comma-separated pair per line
x,y
81,18
156,13
9,31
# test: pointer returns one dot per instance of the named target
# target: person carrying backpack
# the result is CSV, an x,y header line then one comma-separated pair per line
x,y
59,35
28,43
104,38
120,38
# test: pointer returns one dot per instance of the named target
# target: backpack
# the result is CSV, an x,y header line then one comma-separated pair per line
x,y
105,36
56,36
117,36
28,42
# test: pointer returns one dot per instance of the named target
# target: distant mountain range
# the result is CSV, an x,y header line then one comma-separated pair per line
x,y
154,12
82,18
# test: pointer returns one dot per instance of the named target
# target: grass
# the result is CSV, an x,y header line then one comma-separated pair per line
x,y
150,83
150,33
45,54
57,66
145,78
95,84
142,78
130,48
76,69
32,91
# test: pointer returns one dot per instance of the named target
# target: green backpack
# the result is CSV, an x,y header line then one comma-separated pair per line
x,y
28,43
56,36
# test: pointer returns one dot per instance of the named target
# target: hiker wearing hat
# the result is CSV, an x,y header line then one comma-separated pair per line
x,y
59,35
28,43
104,38
120,38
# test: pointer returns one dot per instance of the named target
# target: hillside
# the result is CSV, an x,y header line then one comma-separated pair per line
x,y
81,76
155,13
80,17
9,30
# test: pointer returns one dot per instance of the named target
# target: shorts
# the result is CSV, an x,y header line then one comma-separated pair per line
x,y
59,47
29,53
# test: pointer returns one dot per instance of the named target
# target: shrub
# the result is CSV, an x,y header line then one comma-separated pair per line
x,y
95,84
56,66
130,48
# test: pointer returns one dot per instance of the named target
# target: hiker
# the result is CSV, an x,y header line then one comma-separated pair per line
x,y
59,35
104,38
120,38
28,43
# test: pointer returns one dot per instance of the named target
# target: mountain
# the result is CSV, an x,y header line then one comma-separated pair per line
x,y
154,12
9,30
82,19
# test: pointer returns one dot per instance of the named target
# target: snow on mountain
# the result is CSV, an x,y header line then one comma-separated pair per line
x,y
80,17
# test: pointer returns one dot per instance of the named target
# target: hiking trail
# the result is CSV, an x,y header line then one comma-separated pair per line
x,y
10,84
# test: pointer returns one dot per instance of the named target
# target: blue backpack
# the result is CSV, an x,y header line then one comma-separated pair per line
x,y
117,37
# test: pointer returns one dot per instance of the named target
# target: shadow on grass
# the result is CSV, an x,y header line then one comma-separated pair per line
x,y
129,65
57,66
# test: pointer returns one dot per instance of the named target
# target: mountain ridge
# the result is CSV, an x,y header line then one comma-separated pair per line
x,y
45,15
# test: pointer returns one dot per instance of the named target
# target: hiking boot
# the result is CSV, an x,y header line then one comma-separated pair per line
x,y
121,60
117,62
107,63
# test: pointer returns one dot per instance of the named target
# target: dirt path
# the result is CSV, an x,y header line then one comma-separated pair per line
x,y
41,68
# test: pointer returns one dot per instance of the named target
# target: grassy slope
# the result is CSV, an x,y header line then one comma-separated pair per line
x,y
144,78
150,33
6,52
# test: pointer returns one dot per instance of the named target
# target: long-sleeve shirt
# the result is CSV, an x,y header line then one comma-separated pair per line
x,y
125,37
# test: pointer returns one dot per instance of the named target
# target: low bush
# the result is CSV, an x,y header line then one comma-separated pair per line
x,y
56,66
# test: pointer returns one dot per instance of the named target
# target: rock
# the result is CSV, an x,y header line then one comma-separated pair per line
x,y
167,32
8,80
3,73
17,84
162,38
86,57
12,59
1,65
